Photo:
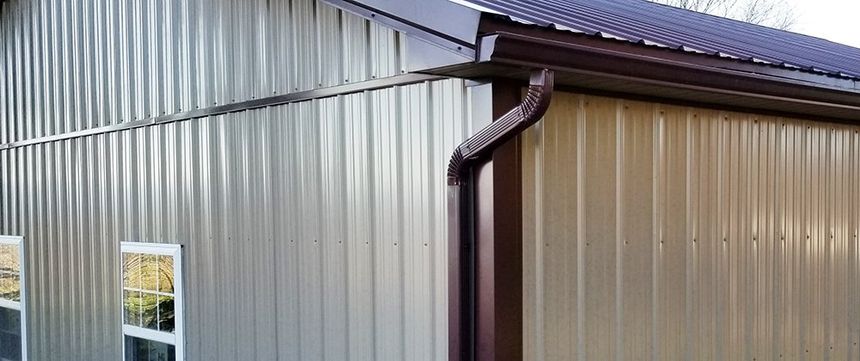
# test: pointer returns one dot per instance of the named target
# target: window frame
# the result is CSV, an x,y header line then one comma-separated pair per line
x,y
20,306
177,340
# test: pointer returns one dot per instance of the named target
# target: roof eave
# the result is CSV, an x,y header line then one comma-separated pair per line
x,y
748,85
491,24
589,62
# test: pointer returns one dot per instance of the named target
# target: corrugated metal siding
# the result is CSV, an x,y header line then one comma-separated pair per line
x,y
312,230
667,233
67,66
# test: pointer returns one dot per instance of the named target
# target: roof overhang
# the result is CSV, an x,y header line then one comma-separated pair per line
x,y
508,49
439,33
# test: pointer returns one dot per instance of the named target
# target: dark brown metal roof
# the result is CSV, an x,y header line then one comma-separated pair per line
x,y
648,23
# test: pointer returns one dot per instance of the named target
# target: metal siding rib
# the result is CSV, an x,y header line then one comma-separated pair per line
x,y
311,230
708,234
76,66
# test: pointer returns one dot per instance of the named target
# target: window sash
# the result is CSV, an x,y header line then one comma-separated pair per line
x,y
13,305
148,334
177,337
134,289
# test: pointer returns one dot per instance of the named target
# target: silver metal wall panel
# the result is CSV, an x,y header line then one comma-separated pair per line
x,y
671,233
67,66
311,231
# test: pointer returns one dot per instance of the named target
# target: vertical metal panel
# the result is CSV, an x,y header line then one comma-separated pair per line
x,y
670,233
70,66
311,230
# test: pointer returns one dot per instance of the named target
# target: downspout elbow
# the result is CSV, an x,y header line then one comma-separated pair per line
x,y
533,107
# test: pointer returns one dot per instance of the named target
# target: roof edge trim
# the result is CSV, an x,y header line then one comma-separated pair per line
x,y
495,24
525,51
441,22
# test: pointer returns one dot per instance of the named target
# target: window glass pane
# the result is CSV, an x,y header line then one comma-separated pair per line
x,y
10,268
10,334
9,261
131,304
165,314
165,274
10,286
149,272
149,308
149,301
131,270
138,349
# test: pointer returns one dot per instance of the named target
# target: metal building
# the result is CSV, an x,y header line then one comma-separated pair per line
x,y
423,180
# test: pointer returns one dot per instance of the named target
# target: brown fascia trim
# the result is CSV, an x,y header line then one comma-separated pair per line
x,y
462,305
493,24
589,59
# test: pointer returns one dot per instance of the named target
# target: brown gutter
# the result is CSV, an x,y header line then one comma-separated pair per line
x,y
461,246
521,50
573,59
616,66
491,24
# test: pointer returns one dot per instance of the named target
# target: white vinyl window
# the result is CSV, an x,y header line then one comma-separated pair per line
x,y
152,306
13,320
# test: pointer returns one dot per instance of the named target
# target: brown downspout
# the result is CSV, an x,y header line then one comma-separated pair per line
x,y
461,226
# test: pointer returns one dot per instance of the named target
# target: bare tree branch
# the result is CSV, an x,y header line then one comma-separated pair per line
x,y
773,13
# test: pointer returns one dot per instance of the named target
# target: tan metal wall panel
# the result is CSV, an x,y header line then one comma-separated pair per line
x,y
668,233
311,231
67,66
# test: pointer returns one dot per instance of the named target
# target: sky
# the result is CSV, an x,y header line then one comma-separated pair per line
x,y
835,20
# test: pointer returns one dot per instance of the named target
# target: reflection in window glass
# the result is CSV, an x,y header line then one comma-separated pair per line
x,y
10,286
131,306
165,274
10,334
131,270
140,349
150,302
165,313
11,311
148,272
10,283
148,291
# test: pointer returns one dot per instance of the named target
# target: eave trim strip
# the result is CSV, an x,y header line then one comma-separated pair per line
x,y
398,80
